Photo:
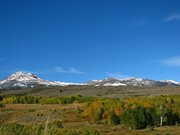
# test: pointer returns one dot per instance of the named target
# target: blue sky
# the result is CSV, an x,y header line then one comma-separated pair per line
x,y
80,40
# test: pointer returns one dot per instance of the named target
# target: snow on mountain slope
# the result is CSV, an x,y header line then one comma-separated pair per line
x,y
26,80
132,82
114,84
170,81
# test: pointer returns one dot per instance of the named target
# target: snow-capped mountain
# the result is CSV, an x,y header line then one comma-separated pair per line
x,y
170,82
28,80
131,82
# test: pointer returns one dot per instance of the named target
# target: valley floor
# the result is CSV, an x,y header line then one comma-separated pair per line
x,y
95,91
70,118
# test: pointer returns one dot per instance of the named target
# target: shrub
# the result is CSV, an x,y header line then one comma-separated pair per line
x,y
134,118
56,124
152,118
113,118
13,129
98,115
2,105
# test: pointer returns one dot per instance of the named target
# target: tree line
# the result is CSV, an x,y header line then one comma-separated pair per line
x,y
135,112
46,100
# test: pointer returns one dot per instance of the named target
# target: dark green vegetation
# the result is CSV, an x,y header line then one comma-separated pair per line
x,y
39,112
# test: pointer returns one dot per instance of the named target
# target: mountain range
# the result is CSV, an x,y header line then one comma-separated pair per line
x,y
132,82
29,80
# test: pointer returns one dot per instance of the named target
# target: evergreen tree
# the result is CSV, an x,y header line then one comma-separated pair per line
x,y
113,119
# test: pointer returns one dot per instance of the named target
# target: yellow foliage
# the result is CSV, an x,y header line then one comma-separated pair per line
x,y
90,111
117,111
105,115
133,100
8,100
96,105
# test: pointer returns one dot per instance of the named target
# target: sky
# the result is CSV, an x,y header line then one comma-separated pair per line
x,y
81,40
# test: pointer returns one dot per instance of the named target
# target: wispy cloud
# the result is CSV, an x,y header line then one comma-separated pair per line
x,y
172,17
174,61
116,75
57,69
71,70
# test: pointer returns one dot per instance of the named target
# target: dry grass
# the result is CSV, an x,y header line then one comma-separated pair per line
x,y
95,91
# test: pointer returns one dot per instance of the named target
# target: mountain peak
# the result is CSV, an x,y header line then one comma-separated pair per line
x,y
20,75
25,80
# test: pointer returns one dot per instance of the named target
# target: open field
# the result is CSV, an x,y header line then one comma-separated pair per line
x,y
36,113
99,91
